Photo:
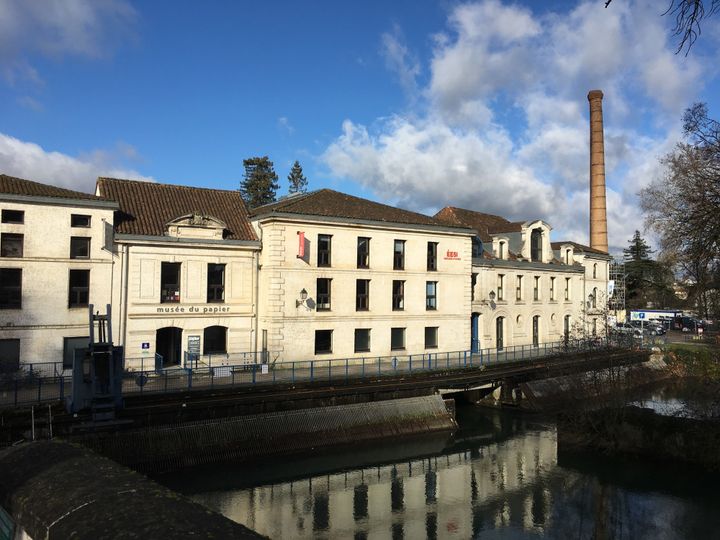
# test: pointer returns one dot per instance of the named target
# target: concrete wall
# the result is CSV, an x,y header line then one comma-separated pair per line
x,y
45,318
291,328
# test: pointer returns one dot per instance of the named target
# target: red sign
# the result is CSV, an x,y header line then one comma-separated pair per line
x,y
301,245
452,256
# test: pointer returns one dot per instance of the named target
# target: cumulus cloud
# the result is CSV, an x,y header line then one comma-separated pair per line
x,y
399,60
55,28
32,162
454,149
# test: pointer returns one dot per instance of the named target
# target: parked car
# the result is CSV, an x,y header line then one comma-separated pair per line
x,y
624,328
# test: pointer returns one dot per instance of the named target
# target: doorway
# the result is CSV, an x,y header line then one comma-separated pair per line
x,y
474,336
168,344
499,323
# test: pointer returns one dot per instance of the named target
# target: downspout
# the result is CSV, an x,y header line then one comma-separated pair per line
x,y
257,290
124,299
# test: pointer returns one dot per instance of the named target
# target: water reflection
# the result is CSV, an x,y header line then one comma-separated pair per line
x,y
498,477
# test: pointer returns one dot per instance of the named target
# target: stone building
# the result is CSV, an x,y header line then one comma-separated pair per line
x,y
345,277
55,259
186,279
523,292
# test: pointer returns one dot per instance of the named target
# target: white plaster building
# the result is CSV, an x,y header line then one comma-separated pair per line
x,y
186,280
345,277
523,293
55,260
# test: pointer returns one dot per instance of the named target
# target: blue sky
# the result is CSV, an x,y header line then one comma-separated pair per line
x,y
421,104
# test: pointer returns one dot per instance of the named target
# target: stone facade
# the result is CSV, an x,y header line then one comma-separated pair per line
x,y
63,267
288,323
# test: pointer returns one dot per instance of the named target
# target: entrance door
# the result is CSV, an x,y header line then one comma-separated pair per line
x,y
474,339
536,330
499,332
168,344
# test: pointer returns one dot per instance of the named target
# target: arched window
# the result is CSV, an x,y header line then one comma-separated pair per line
x,y
215,340
536,245
536,330
567,256
501,250
594,297
595,271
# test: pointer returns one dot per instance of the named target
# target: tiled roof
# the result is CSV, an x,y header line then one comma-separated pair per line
x,y
18,186
330,203
582,247
484,224
146,207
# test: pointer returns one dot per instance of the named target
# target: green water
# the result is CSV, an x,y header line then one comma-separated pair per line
x,y
499,476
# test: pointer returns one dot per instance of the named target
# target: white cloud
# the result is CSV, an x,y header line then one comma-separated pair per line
x,y
400,61
32,162
55,28
451,149
284,125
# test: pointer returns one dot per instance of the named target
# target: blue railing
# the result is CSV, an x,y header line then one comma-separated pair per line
x,y
44,383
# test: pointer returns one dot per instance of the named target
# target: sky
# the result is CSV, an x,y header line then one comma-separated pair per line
x,y
419,104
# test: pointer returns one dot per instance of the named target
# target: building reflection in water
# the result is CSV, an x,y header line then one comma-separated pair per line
x,y
505,479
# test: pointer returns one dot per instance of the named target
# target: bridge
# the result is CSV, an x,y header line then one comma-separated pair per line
x,y
177,395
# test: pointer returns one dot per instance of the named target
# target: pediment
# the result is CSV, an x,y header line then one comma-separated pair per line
x,y
196,225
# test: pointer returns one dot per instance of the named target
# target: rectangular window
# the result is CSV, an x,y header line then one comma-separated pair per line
x,y
79,247
363,252
432,256
567,288
10,288
431,295
518,289
9,355
500,287
324,250
323,294
169,282
431,337
362,340
362,294
399,255
70,345
397,339
323,341
79,288
536,289
11,245
473,284
552,289
216,283
79,220
13,216
398,295
477,247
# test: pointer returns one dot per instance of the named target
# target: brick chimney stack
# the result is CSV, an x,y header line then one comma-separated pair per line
x,y
598,212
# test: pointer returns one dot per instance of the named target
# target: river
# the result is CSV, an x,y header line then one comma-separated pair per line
x,y
499,476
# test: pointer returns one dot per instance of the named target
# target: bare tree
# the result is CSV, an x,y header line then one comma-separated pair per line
x,y
688,16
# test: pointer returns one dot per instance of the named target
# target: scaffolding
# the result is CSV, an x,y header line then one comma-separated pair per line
x,y
617,276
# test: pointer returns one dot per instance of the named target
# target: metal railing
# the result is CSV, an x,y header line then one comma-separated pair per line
x,y
34,385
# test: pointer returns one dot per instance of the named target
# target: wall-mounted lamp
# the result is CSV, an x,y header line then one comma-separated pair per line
x,y
303,297
491,296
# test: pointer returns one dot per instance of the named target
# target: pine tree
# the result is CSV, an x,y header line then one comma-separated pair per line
x,y
639,250
260,182
298,183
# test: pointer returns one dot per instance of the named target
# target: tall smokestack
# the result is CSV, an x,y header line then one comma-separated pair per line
x,y
598,212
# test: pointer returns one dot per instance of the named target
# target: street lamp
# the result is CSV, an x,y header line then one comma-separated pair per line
x,y
303,297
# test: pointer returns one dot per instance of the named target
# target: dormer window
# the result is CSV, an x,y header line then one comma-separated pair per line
x,y
536,245
568,256
477,247
501,250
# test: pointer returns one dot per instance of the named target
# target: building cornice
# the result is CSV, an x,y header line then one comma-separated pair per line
x,y
56,201
348,222
137,239
527,265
